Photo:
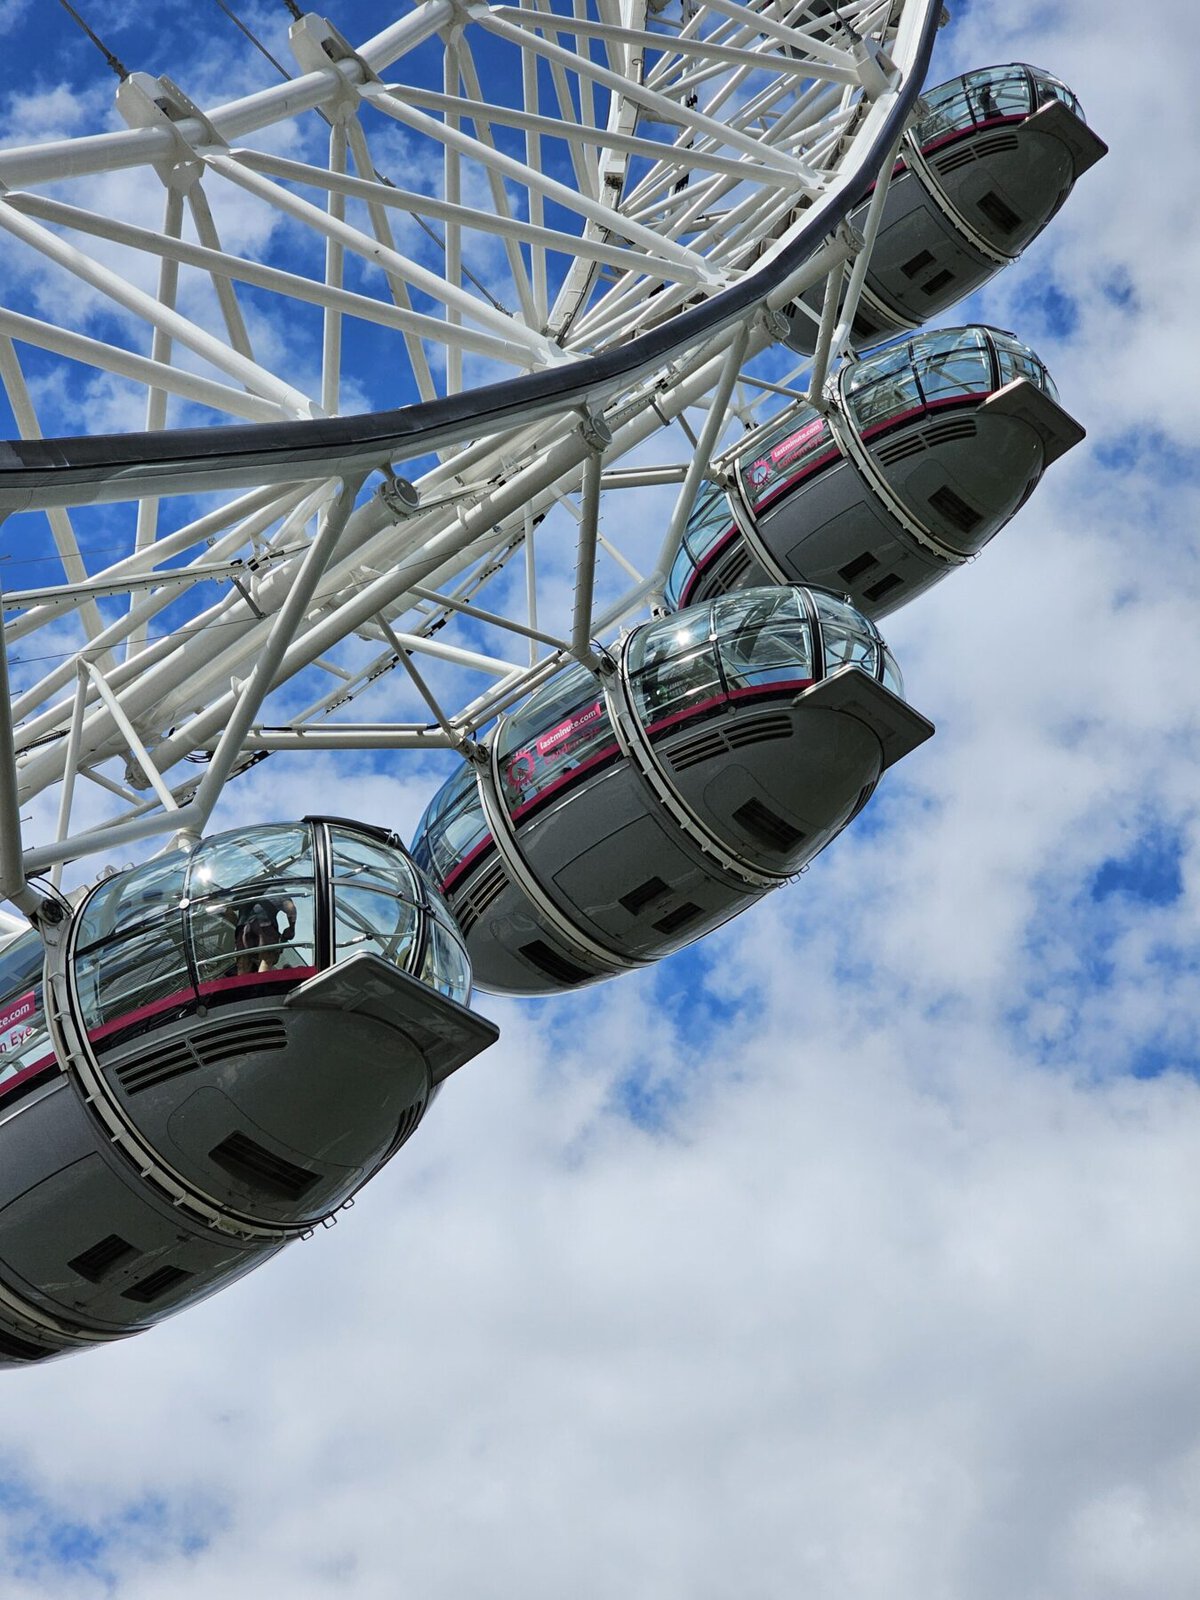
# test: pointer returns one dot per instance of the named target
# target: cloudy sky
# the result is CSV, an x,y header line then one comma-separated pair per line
x,y
852,1255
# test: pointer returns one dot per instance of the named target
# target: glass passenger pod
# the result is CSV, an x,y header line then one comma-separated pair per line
x,y
765,717
985,170
1007,145
961,423
955,425
268,1014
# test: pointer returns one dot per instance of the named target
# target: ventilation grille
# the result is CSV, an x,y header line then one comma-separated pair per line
x,y
548,960
996,143
21,1349
719,741
897,449
99,1259
679,918
767,826
856,568
976,149
470,905
863,327
884,586
408,1122
998,212
205,1047
955,509
938,282
638,899
937,433
156,1285
948,430
252,1163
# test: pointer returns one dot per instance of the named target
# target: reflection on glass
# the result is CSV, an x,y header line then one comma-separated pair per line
x,y
710,521
370,863
953,363
120,976
24,1035
249,908
445,967
847,638
1017,360
764,637
380,924
978,97
559,728
128,899
453,825
892,678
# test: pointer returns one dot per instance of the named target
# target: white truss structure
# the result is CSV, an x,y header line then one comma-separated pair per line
x,y
555,238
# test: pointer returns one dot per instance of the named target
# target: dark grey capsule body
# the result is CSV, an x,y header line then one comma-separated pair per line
x,y
224,1046
615,823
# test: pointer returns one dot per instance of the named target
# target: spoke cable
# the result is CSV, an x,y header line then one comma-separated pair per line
x,y
379,177
115,62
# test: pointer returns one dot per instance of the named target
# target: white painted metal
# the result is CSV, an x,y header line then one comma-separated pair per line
x,y
582,181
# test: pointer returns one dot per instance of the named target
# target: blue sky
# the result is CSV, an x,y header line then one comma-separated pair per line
x,y
851,1253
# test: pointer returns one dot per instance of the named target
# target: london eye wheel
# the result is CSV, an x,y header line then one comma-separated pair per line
x,y
361,330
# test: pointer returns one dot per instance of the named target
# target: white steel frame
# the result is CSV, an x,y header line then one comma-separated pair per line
x,y
617,220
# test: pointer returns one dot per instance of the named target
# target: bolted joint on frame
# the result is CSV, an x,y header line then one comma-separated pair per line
x,y
594,430
400,496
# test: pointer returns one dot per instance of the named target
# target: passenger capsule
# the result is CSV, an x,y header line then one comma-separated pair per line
x,y
236,1039
980,175
615,821
927,448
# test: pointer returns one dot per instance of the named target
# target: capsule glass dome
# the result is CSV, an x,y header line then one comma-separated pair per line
x,y
995,155
929,446
242,1035
244,908
619,819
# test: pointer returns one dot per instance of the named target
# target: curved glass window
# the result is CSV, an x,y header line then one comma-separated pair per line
x,y
948,364
977,97
249,910
881,386
252,902
1047,87
891,676
24,1035
710,521
986,95
847,638
785,454
376,903
445,967
1017,360
763,637
953,362
453,825
753,639
558,729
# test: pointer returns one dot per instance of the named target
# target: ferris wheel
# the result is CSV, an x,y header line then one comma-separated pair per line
x,y
508,384
545,238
